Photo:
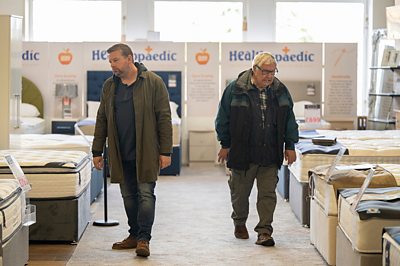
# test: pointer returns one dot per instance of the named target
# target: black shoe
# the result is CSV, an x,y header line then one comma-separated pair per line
x,y
265,239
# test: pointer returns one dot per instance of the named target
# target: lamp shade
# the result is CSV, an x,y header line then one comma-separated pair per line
x,y
66,90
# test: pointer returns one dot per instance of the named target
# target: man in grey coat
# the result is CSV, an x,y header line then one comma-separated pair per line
x,y
134,116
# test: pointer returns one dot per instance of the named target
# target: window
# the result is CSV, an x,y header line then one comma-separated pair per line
x,y
75,21
198,21
319,22
325,22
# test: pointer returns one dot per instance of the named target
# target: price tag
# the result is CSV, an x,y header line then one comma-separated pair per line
x,y
18,173
312,114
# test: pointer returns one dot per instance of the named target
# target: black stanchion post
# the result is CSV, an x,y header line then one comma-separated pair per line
x,y
105,222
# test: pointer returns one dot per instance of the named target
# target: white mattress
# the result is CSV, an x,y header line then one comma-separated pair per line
x,y
307,126
361,134
88,124
30,125
12,207
365,235
52,174
50,142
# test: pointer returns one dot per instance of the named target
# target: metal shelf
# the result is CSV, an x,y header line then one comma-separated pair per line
x,y
388,94
385,68
386,121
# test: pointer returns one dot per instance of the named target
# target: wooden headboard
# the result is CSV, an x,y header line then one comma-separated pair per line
x,y
32,95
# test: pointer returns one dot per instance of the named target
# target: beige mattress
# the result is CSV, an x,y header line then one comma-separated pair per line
x,y
50,142
12,207
325,191
52,174
324,210
322,232
379,208
391,246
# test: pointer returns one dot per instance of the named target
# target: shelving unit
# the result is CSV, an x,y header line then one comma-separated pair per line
x,y
384,98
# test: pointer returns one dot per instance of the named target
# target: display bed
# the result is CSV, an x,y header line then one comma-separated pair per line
x,y
60,142
60,190
324,202
362,146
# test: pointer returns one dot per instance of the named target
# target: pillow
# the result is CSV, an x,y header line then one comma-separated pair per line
x,y
92,108
29,110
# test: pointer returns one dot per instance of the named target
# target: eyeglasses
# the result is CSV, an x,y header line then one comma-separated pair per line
x,y
267,72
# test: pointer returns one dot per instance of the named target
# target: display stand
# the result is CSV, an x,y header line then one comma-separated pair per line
x,y
105,221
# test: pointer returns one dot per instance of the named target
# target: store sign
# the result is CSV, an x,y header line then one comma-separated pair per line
x,y
286,55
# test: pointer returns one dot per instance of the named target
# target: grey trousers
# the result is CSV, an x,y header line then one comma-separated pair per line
x,y
241,183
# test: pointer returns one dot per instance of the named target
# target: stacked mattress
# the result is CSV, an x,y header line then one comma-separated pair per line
x,y
14,234
368,146
360,227
391,246
50,142
12,207
60,183
324,201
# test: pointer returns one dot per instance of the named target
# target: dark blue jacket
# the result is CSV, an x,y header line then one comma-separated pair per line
x,y
234,118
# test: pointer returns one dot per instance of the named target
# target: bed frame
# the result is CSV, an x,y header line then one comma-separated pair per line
x,y
32,95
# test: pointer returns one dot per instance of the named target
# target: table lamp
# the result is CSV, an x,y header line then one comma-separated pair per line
x,y
67,91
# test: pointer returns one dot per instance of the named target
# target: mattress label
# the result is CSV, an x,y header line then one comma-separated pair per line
x,y
362,189
18,173
335,162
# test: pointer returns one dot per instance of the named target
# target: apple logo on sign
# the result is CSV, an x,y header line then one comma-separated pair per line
x,y
202,57
65,57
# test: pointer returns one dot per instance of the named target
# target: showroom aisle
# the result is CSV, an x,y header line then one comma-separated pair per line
x,y
193,227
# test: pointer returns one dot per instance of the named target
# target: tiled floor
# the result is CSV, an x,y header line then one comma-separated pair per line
x,y
192,227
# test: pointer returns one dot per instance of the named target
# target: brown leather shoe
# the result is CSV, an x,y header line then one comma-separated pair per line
x,y
127,243
265,239
241,232
143,249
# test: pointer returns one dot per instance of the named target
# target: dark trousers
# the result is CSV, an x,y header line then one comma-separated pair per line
x,y
139,202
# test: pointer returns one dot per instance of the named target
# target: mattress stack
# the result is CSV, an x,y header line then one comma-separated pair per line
x,y
366,146
12,207
391,246
14,236
359,231
60,183
324,200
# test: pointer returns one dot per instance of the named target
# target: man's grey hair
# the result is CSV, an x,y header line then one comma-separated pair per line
x,y
124,48
263,58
